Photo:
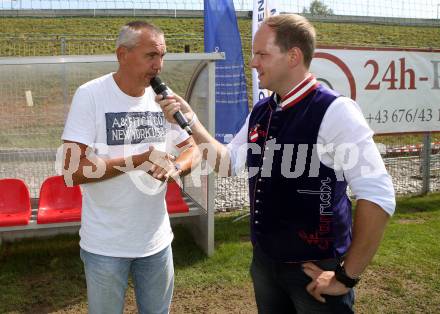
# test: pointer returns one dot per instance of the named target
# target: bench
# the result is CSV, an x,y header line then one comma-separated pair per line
x,y
58,211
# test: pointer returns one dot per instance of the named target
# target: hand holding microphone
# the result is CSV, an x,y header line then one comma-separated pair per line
x,y
160,88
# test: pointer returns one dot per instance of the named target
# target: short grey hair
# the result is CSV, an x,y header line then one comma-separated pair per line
x,y
129,34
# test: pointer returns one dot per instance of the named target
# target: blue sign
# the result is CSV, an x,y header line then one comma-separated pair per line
x,y
222,35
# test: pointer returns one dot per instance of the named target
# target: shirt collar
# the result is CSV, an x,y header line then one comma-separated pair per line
x,y
297,93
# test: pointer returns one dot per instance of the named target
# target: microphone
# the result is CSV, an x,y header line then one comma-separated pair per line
x,y
160,88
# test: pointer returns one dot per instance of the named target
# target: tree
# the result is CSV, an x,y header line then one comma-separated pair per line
x,y
318,8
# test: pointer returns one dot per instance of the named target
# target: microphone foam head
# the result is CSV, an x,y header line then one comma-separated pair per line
x,y
157,85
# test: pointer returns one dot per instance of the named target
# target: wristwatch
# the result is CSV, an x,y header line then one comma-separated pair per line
x,y
342,277
178,167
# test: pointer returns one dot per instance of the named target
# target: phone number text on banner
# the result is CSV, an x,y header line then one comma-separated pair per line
x,y
397,90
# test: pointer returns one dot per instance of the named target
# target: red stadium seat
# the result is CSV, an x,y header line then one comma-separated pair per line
x,y
15,203
59,203
175,202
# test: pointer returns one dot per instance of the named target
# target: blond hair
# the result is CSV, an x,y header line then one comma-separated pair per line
x,y
292,30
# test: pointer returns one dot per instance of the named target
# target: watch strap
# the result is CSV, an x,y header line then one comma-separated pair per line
x,y
177,166
343,278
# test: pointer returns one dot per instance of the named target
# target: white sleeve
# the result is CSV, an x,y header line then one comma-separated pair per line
x,y
80,125
347,145
238,149
179,134
174,137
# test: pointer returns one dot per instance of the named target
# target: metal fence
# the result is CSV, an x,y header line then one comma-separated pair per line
x,y
412,160
424,9
53,44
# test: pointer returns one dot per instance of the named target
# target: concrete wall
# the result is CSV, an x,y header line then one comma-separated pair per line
x,y
199,13
373,20
108,12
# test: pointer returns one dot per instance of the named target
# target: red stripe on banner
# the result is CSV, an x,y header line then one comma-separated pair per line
x,y
411,148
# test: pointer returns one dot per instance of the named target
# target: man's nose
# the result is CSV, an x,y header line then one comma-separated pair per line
x,y
253,63
157,63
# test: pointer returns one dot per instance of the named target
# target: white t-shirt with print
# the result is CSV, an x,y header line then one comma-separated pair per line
x,y
124,216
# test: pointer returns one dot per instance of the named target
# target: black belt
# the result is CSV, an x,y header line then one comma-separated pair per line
x,y
325,264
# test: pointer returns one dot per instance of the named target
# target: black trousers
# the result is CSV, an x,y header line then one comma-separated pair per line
x,y
280,288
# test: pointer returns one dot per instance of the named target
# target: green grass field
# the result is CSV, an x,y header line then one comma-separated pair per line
x,y
96,35
45,275
328,33
42,36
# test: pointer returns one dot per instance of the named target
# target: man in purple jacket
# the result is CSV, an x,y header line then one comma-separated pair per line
x,y
308,255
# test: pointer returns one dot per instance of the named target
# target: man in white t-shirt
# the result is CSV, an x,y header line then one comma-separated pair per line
x,y
116,144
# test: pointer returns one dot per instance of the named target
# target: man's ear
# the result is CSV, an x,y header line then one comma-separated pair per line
x,y
121,54
295,56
